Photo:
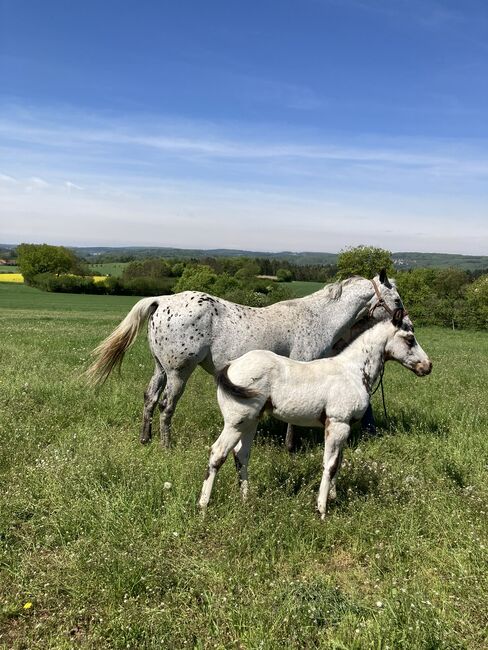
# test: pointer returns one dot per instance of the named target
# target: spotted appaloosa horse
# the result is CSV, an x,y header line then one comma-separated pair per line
x,y
192,328
327,393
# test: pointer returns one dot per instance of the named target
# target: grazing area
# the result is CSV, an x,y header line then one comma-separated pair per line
x,y
101,541
115,269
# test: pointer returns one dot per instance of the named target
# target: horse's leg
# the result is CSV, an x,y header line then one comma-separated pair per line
x,y
175,386
289,440
336,434
151,398
368,424
242,452
227,440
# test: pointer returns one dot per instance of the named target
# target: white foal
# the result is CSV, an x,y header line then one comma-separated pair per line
x,y
329,393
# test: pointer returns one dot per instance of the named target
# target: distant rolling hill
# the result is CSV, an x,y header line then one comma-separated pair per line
x,y
439,260
402,260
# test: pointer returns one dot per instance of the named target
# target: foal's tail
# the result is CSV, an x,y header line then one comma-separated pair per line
x,y
226,386
110,352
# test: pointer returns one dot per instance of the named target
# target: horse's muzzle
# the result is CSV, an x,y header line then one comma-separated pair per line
x,y
423,368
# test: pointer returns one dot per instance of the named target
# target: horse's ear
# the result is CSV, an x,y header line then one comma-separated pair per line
x,y
383,276
398,316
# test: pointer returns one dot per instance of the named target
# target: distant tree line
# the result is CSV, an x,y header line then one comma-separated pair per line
x,y
446,297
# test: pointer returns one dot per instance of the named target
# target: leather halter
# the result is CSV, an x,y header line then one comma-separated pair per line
x,y
380,302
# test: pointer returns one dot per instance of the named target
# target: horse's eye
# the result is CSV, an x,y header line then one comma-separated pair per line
x,y
410,341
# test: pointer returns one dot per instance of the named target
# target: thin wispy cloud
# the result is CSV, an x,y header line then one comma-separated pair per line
x,y
286,193
193,141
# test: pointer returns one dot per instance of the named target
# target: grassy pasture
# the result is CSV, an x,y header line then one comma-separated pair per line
x,y
96,553
9,269
114,269
301,288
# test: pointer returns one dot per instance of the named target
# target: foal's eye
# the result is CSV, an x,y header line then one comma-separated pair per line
x,y
410,341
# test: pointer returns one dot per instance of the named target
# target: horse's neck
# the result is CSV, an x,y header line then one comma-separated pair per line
x,y
348,308
365,355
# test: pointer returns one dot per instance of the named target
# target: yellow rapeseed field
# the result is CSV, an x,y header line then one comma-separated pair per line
x,y
11,277
17,277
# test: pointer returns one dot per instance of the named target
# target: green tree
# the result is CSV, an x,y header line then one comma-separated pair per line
x,y
34,259
284,275
477,303
450,283
363,260
154,268
196,278
249,270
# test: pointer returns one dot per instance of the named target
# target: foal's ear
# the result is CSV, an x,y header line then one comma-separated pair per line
x,y
383,276
398,316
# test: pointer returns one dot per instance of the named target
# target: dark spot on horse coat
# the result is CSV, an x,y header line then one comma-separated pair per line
x,y
366,379
219,462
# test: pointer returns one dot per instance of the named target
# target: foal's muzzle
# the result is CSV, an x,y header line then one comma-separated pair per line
x,y
423,368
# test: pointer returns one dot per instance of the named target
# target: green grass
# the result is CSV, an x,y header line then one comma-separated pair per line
x,y
110,268
300,289
109,558
9,269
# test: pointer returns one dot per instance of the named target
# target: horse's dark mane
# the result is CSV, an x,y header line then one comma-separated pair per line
x,y
225,384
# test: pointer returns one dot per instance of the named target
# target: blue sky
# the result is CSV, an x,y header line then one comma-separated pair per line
x,y
307,125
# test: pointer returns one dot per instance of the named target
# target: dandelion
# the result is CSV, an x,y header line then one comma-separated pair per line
x,y
379,604
167,485
27,605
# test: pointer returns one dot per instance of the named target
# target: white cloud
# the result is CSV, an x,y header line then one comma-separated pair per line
x,y
5,178
72,186
35,181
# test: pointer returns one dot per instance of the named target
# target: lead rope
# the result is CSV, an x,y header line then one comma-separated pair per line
x,y
380,383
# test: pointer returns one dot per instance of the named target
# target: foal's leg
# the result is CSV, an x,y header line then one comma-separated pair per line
x,y
151,398
333,482
242,452
227,440
336,434
174,390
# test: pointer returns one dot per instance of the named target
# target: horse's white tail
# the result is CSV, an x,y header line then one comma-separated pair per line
x,y
111,351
